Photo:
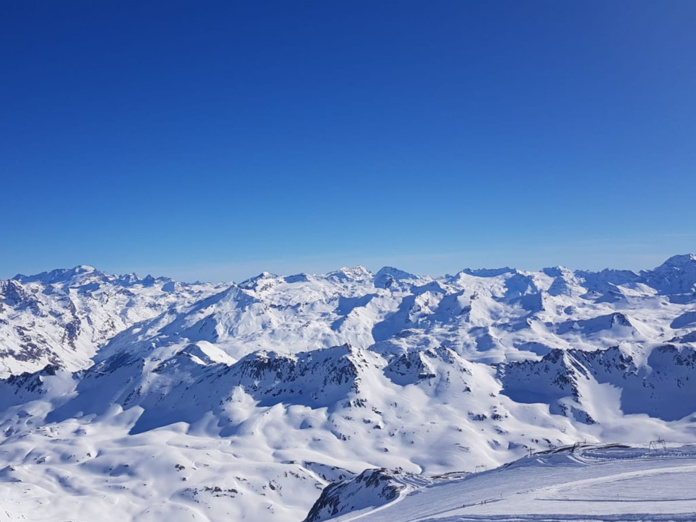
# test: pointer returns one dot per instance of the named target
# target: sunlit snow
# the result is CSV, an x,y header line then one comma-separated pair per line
x,y
150,399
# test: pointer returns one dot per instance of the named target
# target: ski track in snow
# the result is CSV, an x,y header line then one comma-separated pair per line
x,y
657,487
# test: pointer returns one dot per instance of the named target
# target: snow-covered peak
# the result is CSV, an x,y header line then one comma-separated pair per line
x,y
557,271
60,275
256,282
387,275
356,273
395,273
488,272
676,275
679,261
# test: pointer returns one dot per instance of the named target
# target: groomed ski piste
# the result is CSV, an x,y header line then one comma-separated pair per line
x,y
608,483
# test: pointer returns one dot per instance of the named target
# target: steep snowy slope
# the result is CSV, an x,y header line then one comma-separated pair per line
x,y
151,398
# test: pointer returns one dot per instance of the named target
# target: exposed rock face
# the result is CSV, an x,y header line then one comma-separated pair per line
x,y
663,388
372,488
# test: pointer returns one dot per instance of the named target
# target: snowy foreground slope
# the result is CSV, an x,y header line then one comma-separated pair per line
x,y
584,483
149,399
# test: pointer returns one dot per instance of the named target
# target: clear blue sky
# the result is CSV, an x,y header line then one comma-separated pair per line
x,y
213,140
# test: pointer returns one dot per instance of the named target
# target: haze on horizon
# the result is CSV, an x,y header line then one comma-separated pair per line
x,y
214,142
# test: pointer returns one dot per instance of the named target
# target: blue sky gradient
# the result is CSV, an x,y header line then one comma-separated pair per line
x,y
214,140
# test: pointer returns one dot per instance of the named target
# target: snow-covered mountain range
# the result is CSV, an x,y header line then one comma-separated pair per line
x,y
153,399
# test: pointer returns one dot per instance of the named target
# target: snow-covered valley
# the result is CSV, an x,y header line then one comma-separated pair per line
x,y
150,399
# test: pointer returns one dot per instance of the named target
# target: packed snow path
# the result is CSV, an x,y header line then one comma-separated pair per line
x,y
593,484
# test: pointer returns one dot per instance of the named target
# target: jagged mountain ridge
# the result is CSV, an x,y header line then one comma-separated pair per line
x,y
64,316
306,378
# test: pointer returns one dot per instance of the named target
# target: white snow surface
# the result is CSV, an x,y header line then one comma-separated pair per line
x,y
150,399
583,483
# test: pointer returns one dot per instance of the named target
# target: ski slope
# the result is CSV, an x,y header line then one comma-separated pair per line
x,y
604,483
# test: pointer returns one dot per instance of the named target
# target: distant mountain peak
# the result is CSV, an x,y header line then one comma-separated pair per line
x,y
59,275
387,275
257,281
358,272
488,272
679,261
676,275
